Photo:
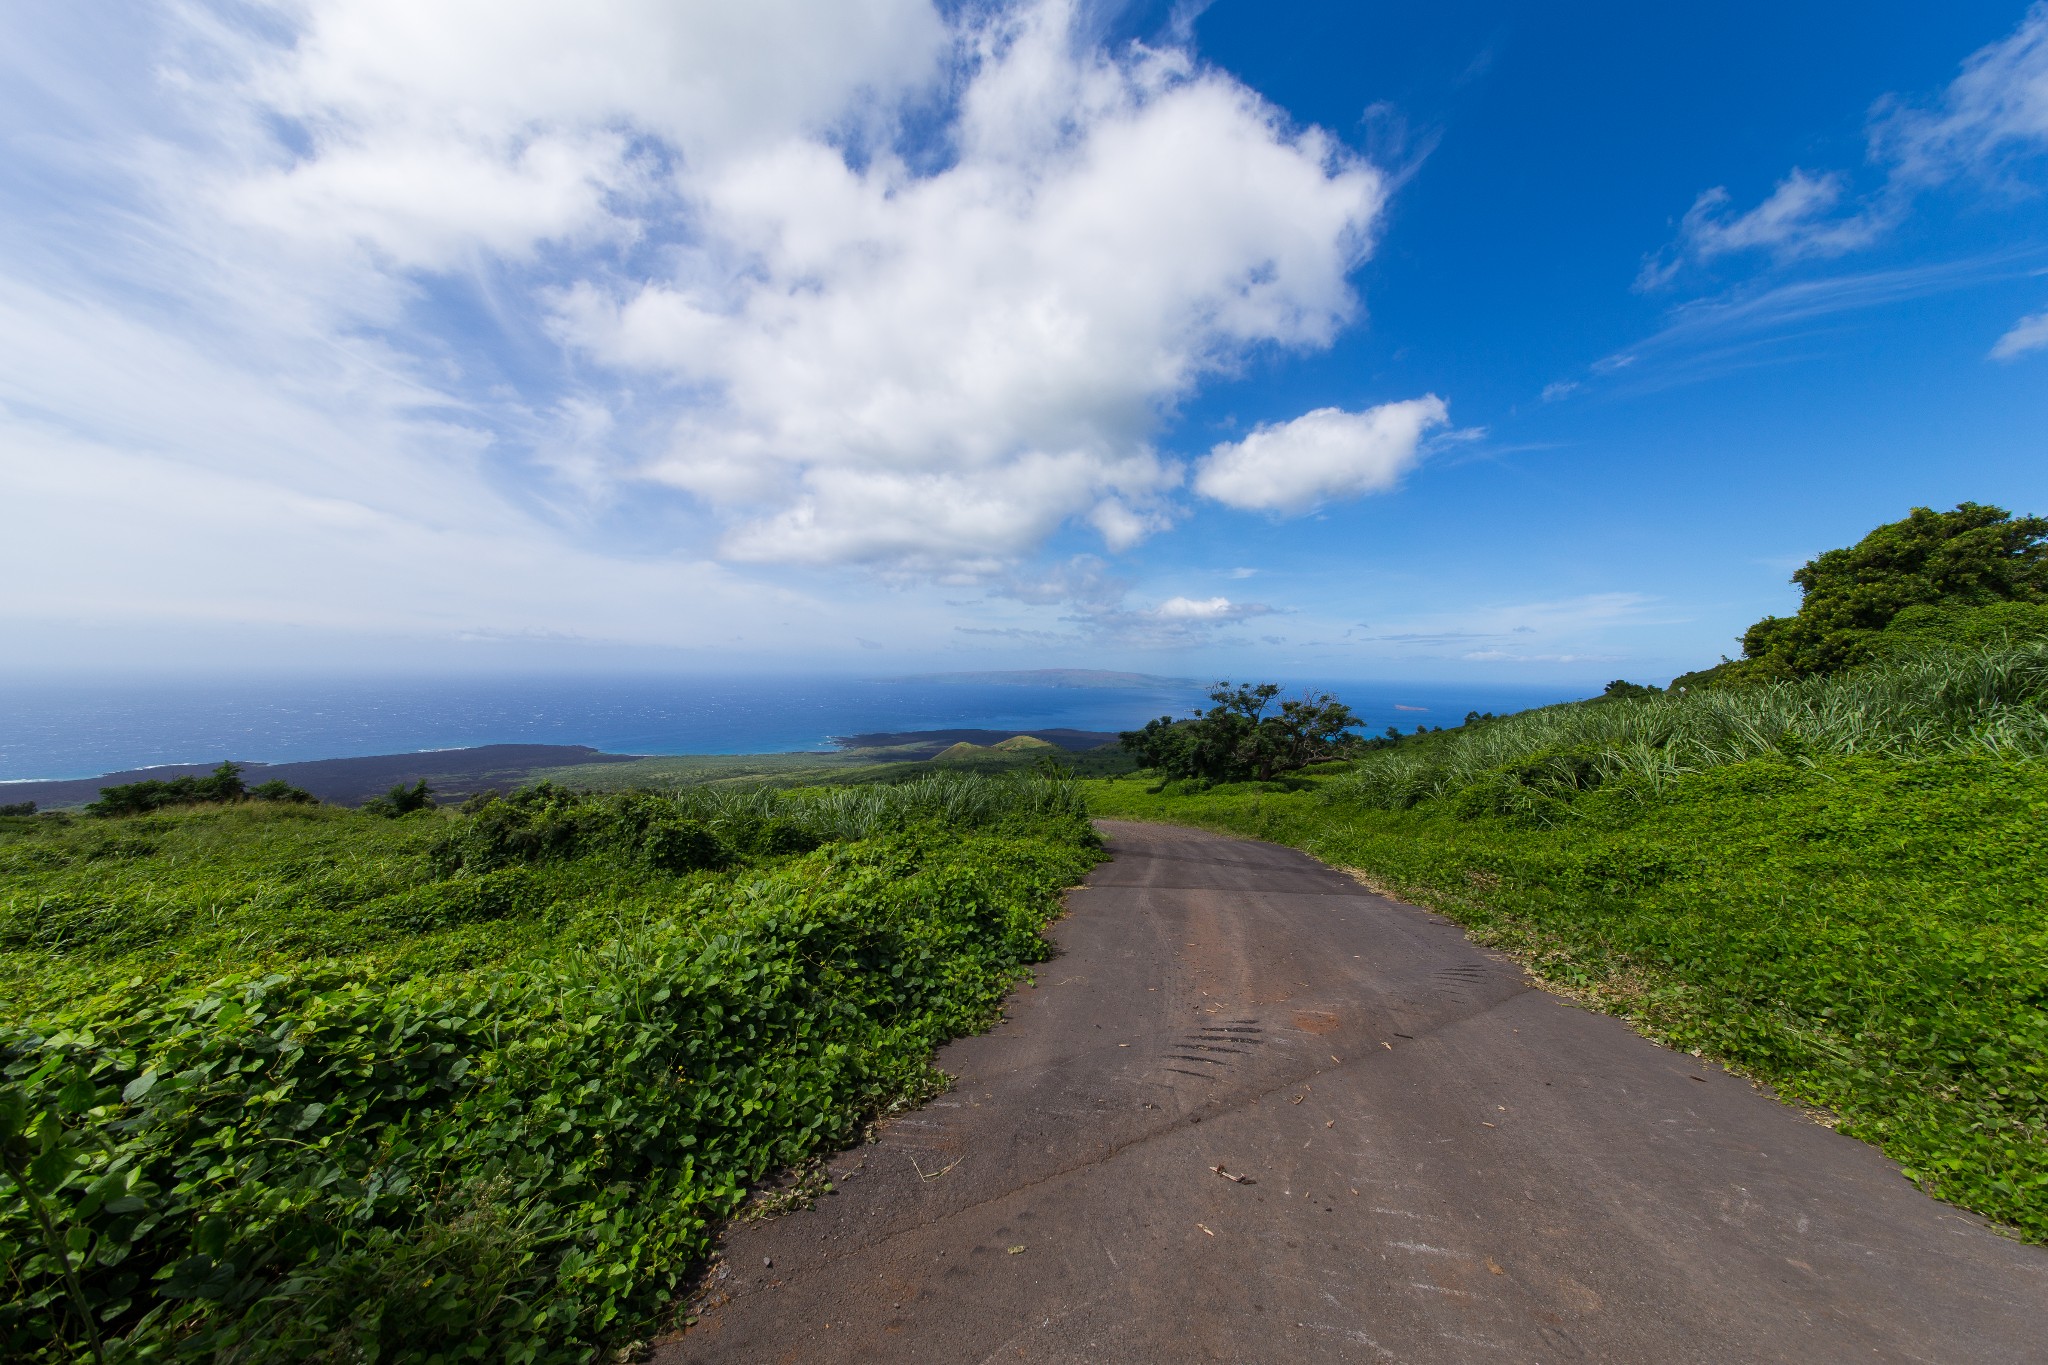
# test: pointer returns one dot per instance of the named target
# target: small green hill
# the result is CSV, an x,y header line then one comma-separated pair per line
x,y
1019,744
958,752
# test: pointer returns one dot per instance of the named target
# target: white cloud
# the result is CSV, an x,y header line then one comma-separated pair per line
x,y
1992,117
2030,333
428,132
931,369
645,283
1174,623
1188,609
1290,467
1706,338
1797,220
1997,109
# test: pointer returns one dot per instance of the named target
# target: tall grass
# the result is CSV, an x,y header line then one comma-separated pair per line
x,y
961,800
1991,701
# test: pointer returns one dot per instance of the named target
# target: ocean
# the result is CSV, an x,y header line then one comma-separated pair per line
x,y
82,729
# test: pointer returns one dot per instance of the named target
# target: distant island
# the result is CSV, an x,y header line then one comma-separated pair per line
x,y
920,744
1052,677
454,774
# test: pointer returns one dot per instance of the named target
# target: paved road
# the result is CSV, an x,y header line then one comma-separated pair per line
x,y
1444,1165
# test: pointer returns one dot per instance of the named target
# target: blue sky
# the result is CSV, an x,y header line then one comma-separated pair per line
x,y
1507,343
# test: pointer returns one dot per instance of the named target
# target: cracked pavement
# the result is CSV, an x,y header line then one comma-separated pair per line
x,y
1438,1163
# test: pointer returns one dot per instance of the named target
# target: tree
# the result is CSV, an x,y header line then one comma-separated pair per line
x,y
1972,556
139,798
401,800
277,789
1237,739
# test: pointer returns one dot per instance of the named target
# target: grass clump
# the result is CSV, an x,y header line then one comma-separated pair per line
x,y
287,1083
1991,700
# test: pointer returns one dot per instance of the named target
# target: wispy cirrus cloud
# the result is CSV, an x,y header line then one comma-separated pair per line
x,y
1990,125
1748,326
1797,220
1559,630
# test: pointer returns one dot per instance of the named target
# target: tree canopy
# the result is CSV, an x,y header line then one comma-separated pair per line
x,y
1972,557
223,785
1237,739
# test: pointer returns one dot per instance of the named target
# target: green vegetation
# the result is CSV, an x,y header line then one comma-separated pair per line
x,y
850,767
401,800
1534,765
223,785
286,1082
1965,576
1236,740
675,772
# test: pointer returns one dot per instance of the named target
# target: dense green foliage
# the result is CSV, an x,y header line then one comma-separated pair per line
x,y
1949,626
1942,563
289,1082
1237,740
1864,933
401,800
222,785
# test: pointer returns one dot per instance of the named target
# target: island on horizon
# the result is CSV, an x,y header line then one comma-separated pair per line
x,y
1106,678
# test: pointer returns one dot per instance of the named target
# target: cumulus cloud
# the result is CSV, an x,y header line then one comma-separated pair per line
x,y
1989,124
1291,467
926,369
426,133
2030,333
1189,609
1175,622
662,283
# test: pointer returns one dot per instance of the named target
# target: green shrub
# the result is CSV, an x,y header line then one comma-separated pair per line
x,y
402,800
138,798
1967,558
466,1112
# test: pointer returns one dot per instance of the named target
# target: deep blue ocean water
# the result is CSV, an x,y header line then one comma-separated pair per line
x,y
83,729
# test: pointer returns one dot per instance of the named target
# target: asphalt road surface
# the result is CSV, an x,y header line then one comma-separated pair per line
x,y
1441,1164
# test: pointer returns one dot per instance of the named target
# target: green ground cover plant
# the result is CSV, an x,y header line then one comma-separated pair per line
x,y
287,1082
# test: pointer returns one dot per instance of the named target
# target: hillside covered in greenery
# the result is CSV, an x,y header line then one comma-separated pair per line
x,y
1824,863
288,1082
